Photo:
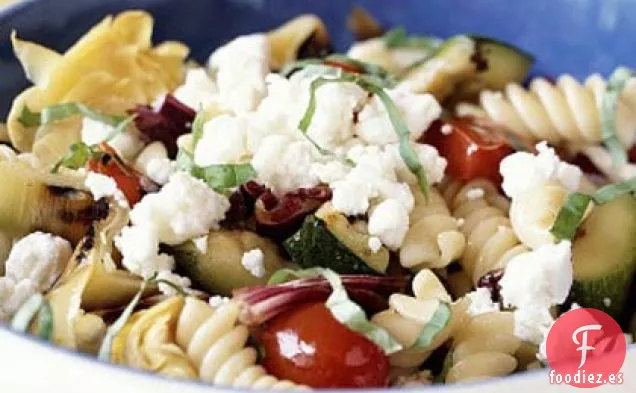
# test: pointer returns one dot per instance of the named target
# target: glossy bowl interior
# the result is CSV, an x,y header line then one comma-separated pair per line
x,y
574,36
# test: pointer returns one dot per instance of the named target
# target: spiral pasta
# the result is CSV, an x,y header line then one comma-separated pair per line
x,y
564,112
483,347
215,343
433,239
490,239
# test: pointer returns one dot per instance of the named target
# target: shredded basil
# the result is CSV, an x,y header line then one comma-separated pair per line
x,y
222,177
197,129
45,321
64,111
114,329
77,157
437,323
371,85
571,214
343,308
615,85
25,314
397,38
172,285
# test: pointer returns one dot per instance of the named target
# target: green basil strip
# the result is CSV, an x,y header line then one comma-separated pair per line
x,y
343,308
120,128
64,111
572,212
172,285
611,191
615,85
197,129
114,329
222,177
397,38
77,157
25,314
570,216
45,321
438,322
384,78
409,156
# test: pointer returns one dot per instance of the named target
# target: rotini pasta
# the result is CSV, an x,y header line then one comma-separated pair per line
x,y
215,342
558,113
433,239
483,347
490,240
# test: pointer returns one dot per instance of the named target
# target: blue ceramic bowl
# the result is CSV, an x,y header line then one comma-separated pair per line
x,y
574,36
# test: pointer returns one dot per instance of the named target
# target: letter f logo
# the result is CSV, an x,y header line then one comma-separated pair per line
x,y
584,348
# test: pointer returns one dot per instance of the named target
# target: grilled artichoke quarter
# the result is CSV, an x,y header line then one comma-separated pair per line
x,y
32,200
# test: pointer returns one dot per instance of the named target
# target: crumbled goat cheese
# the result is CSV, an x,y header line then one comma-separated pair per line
x,y
434,165
375,244
446,129
481,302
198,90
534,282
184,208
284,164
102,186
389,221
139,247
34,264
39,257
13,295
223,141
201,243
217,301
523,171
253,262
475,193
127,144
241,66
174,279
418,112
329,172
153,162
607,302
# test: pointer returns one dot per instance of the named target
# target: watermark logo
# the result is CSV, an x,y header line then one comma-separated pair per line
x,y
585,348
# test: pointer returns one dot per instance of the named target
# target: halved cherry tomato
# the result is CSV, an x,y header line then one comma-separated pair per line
x,y
309,346
128,180
472,147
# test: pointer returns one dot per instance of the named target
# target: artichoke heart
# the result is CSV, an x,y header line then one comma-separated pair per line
x,y
33,200
147,341
302,37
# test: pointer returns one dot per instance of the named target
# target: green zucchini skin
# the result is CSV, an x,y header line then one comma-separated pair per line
x,y
314,245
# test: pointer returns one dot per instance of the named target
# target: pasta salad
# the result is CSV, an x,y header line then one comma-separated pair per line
x,y
414,211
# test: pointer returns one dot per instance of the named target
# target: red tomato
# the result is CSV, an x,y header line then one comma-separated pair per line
x,y
472,148
309,346
127,179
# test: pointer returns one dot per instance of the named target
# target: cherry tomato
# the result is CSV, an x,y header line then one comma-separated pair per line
x,y
309,346
473,148
127,179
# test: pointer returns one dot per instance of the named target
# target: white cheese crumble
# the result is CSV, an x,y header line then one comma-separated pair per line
x,y
418,112
241,66
284,164
183,209
253,262
102,186
198,90
127,144
154,163
481,302
389,221
139,247
34,264
523,171
217,301
375,244
607,302
223,141
533,283
175,279
475,193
